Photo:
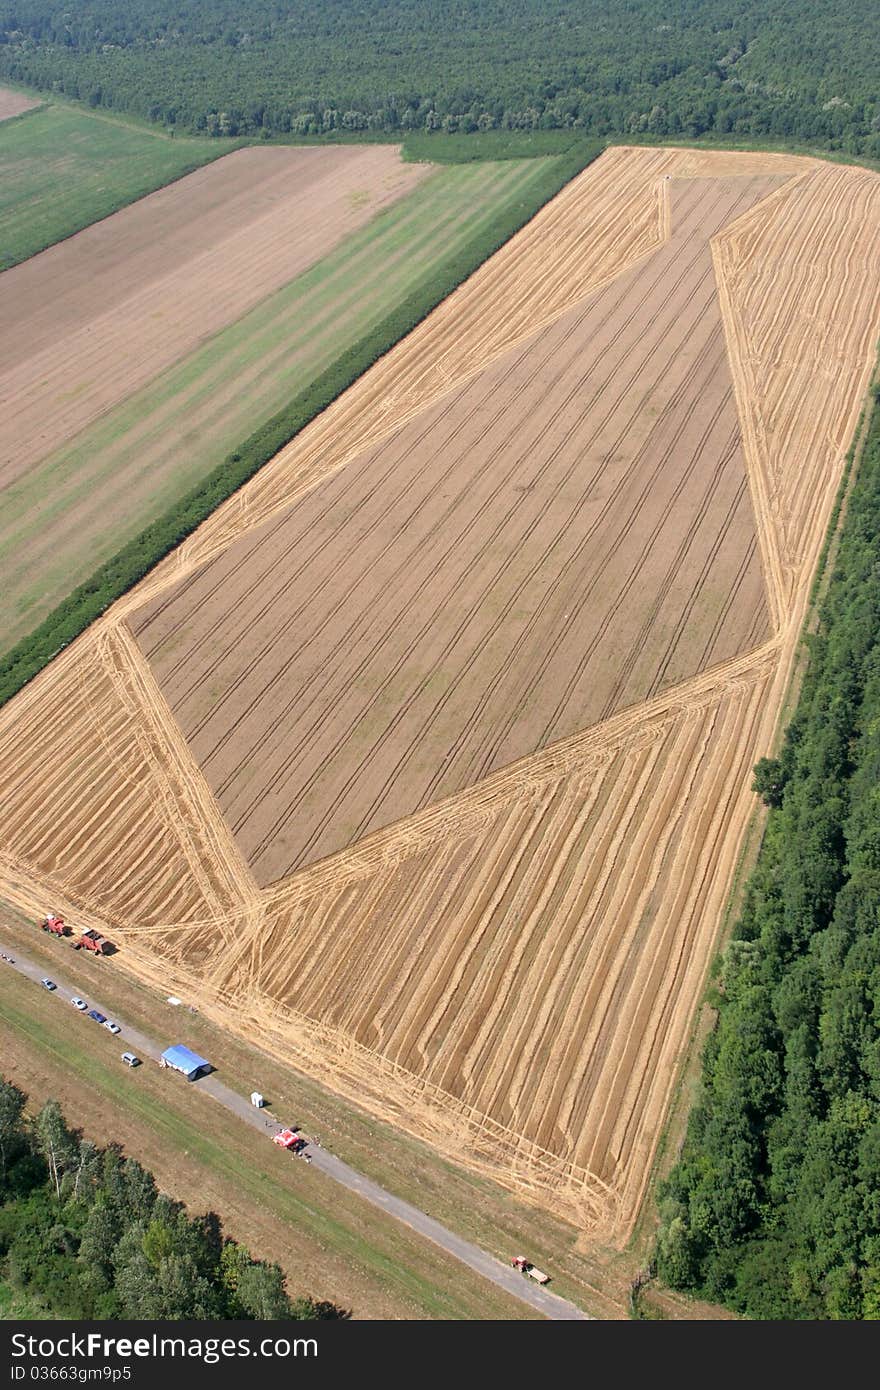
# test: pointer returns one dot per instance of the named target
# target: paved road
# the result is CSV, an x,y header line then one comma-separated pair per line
x,y
133,1040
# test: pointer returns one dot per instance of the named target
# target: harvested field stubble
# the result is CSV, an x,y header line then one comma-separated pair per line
x,y
13,103
613,433
578,472
79,505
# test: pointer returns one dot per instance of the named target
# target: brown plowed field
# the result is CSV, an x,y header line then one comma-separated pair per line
x,y
92,319
13,103
516,571
460,596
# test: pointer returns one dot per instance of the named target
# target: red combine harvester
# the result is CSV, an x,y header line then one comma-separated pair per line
x,y
289,1139
96,943
56,925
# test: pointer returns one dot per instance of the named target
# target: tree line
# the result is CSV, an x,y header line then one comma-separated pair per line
x,y
86,1234
774,1205
802,70
114,578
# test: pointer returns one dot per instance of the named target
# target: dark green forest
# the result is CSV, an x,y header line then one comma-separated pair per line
x,y
801,70
774,1205
85,1233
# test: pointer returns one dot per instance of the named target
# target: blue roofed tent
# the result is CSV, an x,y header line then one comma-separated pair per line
x,y
190,1063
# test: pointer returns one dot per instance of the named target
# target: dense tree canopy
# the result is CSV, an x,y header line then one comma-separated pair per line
x,y
805,70
85,1233
774,1206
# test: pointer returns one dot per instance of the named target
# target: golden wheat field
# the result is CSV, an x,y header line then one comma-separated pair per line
x,y
426,760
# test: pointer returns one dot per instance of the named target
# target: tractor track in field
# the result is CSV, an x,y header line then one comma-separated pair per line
x,y
481,1261
285,770
505,960
255,217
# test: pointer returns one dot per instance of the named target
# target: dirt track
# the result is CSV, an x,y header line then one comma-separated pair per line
x,y
13,103
510,971
90,320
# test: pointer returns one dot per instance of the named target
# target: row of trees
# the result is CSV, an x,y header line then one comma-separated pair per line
x,y
85,1233
774,1206
123,570
799,69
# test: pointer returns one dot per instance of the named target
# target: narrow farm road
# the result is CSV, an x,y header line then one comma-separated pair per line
x,y
502,1275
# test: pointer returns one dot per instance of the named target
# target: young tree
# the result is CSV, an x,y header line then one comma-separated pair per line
x,y
157,1243
312,1310
134,1277
98,1245
769,782
12,1103
85,1170
261,1292
140,1190
56,1143
184,1292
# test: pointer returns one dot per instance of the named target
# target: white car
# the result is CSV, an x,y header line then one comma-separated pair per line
x,y
79,1003
111,1026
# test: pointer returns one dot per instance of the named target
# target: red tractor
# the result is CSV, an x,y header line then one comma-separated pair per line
x,y
526,1267
289,1139
56,925
96,943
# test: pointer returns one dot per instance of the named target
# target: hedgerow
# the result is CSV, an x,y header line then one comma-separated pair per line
x,y
138,557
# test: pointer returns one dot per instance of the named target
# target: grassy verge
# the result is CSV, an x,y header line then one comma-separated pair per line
x,y
330,1243
73,510
594,1277
132,562
62,169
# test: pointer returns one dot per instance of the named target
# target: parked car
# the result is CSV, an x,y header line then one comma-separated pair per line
x,y
130,1060
48,984
111,1026
99,1018
79,1003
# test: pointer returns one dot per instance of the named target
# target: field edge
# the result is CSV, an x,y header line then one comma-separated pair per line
x,y
688,1077
112,580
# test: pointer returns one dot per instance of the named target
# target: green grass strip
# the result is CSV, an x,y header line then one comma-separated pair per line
x,y
176,1132
137,558
61,170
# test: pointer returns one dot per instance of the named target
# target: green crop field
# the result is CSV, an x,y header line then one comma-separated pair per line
x,y
81,504
62,169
